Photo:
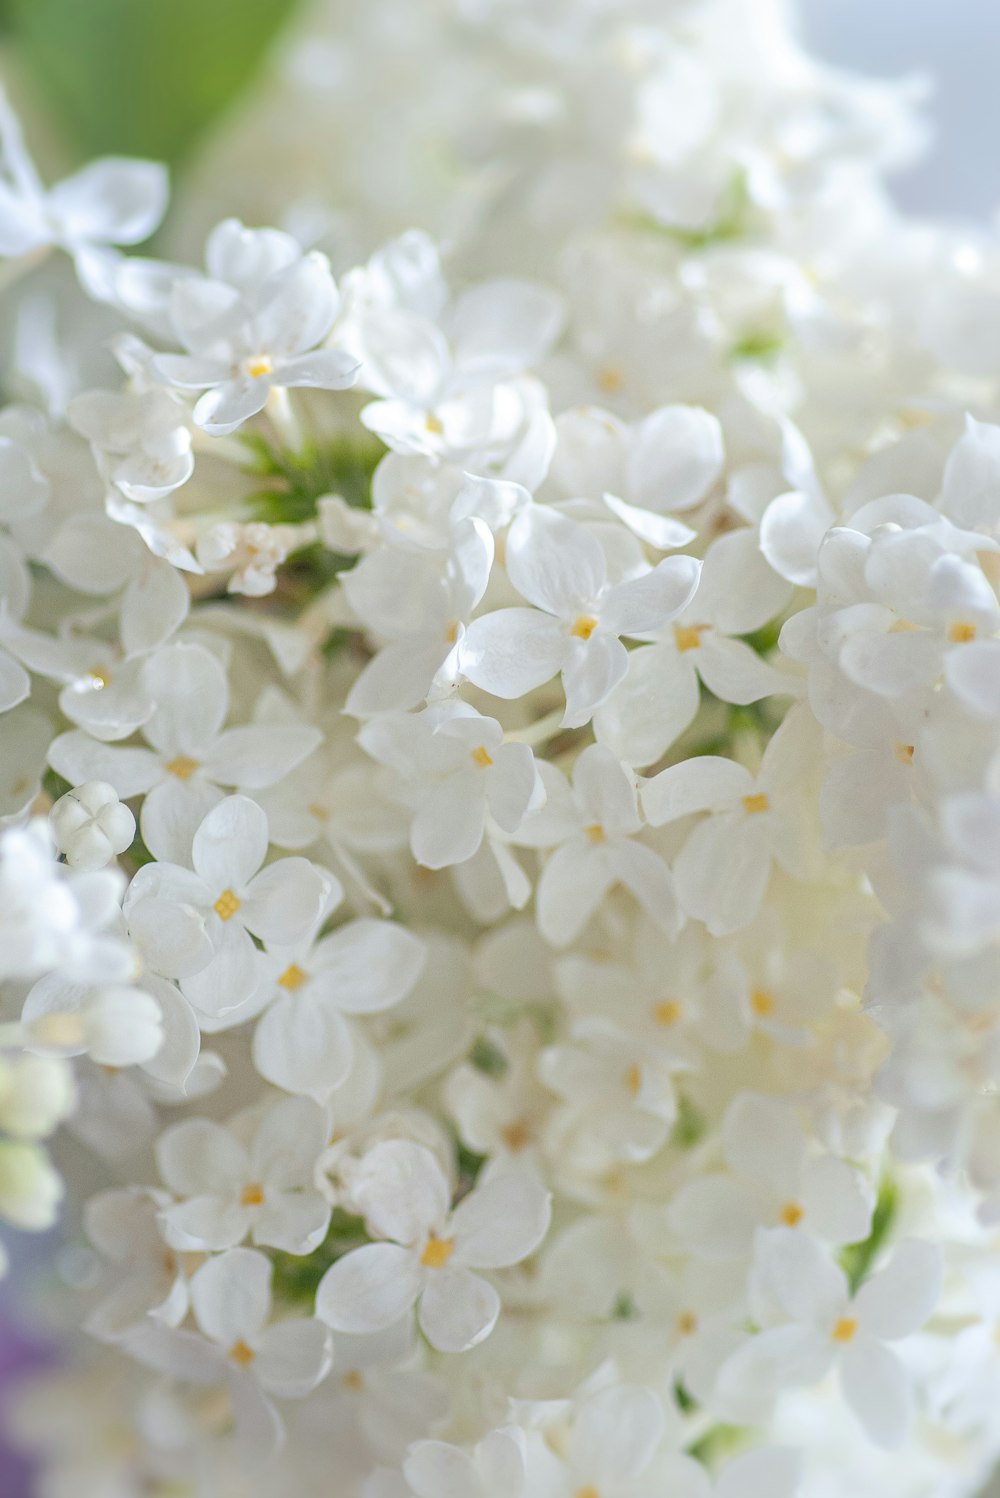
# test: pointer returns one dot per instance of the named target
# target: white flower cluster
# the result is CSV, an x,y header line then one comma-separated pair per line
x,y
500,781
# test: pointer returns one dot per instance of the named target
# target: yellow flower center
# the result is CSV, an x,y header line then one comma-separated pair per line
x,y
241,1354
762,1002
588,1492
226,905
253,1196
516,1136
100,677
584,627
610,379
904,753
292,978
319,812
792,1214
668,1013
434,425
596,833
437,1252
756,803
353,1382
961,634
633,1080
183,767
687,1324
845,1329
482,757
259,366
688,636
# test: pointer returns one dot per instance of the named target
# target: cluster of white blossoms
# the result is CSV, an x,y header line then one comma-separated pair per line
x,y
500,780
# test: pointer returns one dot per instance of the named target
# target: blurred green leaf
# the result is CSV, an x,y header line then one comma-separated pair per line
x,y
142,77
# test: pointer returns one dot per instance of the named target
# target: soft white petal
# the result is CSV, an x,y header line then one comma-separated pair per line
x,y
369,1289
457,1309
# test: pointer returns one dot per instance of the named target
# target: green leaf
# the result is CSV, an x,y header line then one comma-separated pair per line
x,y
142,77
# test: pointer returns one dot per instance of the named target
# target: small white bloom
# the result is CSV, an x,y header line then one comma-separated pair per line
x,y
91,826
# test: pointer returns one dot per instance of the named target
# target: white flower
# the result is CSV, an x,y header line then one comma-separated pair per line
x,y
444,374
30,1187
820,1326
595,827
494,1469
233,900
404,1196
192,755
123,1225
304,1042
253,325
610,1447
91,826
238,1344
766,1472
114,201
455,767
774,1181
141,439
262,1187
578,615
722,872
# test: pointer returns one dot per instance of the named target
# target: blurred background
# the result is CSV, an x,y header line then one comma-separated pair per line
x,y
158,77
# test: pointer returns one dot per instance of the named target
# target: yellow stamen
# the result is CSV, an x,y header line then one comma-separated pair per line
x,y
253,1196
762,1002
904,753
688,636
792,1214
961,634
610,379
100,677
259,366
482,757
319,812
241,1354
183,767
588,1492
434,425
353,1382
584,627
633,1080
516,1136
668,1013
596,833
437,1252
226,905
292,978
687,1324
845,1329
756,803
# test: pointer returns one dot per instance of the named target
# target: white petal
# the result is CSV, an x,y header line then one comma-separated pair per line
x,y
723,870
303,1045
791,529
504,326
763,1141
646,603
511,651
615,1434
369,1289
502,1221
231,844
715,1216
448,828
284,901
900,1299
877,1389
553,562
838,1201
768,1472
231,1296
368,965
734,672
116,200
590,674
401,1190
573,883
674,459
457,1309
198,1156
650,708
705,783
296,306
293,1357
294,1221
